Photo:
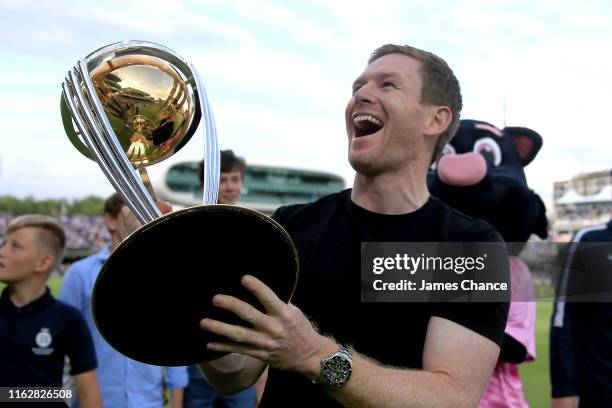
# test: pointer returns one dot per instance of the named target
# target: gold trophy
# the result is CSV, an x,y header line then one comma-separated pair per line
x,y
132,104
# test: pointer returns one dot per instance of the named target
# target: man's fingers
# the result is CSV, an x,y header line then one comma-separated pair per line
x,y
237,334
264,294
164,207
238,348
240,308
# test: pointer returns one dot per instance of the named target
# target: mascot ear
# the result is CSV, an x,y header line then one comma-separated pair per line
x,y
528,143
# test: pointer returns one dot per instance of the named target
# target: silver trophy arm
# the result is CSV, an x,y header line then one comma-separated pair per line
x,y
212,160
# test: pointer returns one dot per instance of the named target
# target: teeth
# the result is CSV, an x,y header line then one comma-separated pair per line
x,y
369,118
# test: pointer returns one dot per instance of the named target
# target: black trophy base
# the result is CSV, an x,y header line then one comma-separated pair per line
x,y
158,284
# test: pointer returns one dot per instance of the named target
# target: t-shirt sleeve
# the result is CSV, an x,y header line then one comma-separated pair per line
x,y
487,318
176,377
80,348
72,288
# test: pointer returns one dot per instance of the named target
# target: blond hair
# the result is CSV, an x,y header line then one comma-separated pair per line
x,y
50,233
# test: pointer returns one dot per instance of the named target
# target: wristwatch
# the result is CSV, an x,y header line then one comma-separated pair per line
x,y
336,369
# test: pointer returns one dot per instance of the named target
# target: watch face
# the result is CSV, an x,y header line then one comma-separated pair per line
x,y
336,370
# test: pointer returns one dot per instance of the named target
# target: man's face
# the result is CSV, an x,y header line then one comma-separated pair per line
x,y
20,255
385,117
230,186
121,225
114,224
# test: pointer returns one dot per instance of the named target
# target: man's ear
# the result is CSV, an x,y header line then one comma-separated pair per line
x,y
439,120
110,221
528,143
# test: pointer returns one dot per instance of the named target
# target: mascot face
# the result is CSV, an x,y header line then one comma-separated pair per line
x,y
481,174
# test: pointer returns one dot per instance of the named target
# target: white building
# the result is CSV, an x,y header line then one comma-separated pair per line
x,y
583,201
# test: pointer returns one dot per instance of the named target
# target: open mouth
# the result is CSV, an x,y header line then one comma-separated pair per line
x,y
366,125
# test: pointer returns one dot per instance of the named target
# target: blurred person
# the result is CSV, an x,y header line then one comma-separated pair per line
x,y
124,383
403,110
199,393
581,324
37,331
231,177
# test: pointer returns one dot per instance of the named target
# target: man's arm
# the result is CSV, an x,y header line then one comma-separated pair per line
x,y
562,337
176,380
176,398
565,402
80,350
260,386
562,364
87,389
455,359
232,373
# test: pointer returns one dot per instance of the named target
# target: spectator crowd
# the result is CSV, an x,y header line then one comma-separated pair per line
x,y
82,231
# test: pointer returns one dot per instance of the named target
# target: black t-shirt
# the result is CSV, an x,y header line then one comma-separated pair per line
x,y
35,338
328,234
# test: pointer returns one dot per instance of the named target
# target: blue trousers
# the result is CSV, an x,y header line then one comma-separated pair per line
x,y
200,394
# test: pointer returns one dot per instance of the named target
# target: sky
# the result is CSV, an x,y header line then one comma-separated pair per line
x,y
278,76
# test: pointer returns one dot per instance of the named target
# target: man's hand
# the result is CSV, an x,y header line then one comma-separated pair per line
x,y
164,207
232,373
565,402
281,337
455,359
129,223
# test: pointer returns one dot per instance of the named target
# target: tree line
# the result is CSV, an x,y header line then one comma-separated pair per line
x,y
90,205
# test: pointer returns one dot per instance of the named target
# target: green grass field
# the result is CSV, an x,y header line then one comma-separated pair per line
x,y
535,375
54,284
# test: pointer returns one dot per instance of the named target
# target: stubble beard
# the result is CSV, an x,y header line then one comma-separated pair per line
x,y
371,165
383,161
